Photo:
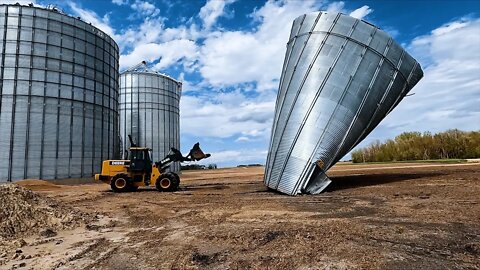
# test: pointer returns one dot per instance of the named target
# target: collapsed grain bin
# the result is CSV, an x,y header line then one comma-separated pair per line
x,y
59,90
149,111
341,77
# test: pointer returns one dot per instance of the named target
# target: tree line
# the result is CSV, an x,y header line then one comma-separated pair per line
x,y
451,144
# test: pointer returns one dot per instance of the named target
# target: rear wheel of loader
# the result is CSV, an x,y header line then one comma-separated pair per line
x,y
167,182
120,183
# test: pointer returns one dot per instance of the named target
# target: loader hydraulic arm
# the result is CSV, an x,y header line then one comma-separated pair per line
x,y
175,155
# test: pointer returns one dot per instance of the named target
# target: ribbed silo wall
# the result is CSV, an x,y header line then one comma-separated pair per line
x,y
341,77
59,95
149,111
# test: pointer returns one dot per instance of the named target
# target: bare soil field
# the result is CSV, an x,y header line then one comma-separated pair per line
x,y
388,216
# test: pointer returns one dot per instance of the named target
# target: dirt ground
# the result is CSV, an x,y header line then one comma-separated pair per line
x,y
392,216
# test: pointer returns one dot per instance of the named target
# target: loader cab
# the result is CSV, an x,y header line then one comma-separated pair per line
x,y
140,160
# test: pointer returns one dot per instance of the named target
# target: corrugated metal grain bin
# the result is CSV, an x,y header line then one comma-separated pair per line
x,y
149,111
341,77
59,95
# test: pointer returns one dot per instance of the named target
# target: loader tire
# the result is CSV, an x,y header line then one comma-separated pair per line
x,y
176,176
167,182
120,183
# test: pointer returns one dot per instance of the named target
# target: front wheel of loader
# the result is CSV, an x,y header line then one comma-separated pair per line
x,y
120,183
177,177
167,182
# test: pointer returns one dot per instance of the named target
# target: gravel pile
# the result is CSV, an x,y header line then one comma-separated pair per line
x,y
24,212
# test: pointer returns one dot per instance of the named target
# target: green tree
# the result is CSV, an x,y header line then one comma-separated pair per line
x,y
452,143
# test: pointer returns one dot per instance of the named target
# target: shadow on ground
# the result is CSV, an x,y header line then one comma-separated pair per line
x,y
364,180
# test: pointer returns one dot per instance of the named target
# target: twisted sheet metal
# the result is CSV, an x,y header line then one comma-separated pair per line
x,y
341,76
150,111
58,95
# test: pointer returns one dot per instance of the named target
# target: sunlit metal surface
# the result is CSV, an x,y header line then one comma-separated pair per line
x,y
149,111
341,77
58,95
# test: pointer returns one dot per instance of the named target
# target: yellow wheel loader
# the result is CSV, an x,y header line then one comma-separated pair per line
x,y
139,170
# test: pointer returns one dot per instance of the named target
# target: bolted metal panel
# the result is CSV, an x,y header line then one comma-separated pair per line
x,y
149,111
341,77
58,95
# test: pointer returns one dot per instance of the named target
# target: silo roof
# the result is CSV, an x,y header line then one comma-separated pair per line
x,y
142,67
56,9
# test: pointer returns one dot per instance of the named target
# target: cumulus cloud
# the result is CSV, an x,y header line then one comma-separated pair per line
x,y
212,10
177,50
336,6
167,53
224,115
242,139
120,2
239,156
223,58
90,16
449,94
163,46
233,57
145,8
147,32
360,13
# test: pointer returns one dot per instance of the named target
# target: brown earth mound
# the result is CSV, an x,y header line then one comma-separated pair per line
x,y
35,184
24,212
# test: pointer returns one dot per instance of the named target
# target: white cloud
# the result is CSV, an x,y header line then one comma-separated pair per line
x,y
212,10
223,58
176,50
153,30
224,115
145,8
242,139
233,57
336,6
147,32
449,94
120,2
360,13
92,17
167,53
394,33
141,42
240,156
152,40
447,28
191,32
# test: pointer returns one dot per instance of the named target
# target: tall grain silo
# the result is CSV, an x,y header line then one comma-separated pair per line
x,y
59,95
340,78
149,111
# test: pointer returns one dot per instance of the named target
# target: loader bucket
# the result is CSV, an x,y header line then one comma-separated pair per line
x,y
196,153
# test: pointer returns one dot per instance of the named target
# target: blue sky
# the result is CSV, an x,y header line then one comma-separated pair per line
x,y
229,55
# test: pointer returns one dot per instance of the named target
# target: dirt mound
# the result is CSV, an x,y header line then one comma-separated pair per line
x,y
24,212
35,184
